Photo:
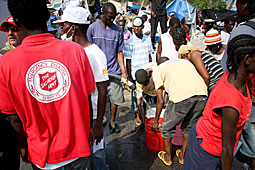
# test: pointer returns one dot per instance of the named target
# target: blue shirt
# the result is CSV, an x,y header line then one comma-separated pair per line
x,y
110,41
138,50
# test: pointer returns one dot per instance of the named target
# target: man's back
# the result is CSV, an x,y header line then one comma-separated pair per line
x,y
180,79
45,86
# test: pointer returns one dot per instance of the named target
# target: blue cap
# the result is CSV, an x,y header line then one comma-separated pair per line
x,y
137,22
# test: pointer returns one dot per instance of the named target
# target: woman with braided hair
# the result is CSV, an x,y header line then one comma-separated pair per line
x,y
214,138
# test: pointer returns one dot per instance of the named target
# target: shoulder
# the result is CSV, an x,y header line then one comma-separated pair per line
x,y
116,28
130,41
241,29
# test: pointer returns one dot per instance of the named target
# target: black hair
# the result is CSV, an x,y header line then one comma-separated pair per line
x,y
250,13
183,21
238,48
108,7
32,14
144,17
174,20
83,28
141,76
121,20
162,60
229,19
178,33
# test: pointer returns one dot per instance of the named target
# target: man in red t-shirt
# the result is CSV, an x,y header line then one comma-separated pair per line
x,y
45,89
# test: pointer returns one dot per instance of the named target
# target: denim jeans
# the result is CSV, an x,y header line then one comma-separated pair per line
x,y
99,157
83,163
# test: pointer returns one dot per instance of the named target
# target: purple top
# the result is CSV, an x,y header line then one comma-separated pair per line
x,y
110,41
127,35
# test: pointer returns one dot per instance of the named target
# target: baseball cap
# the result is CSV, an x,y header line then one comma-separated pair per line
x,y
212,37
137,22
8,20
76,15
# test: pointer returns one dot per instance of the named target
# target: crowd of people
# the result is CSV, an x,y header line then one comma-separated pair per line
x,y
54,89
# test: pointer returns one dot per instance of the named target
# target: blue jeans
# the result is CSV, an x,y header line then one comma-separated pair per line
x,y
83,163
196,158
99,157
247,137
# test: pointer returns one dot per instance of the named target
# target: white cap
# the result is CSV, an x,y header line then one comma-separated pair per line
x,y
76,15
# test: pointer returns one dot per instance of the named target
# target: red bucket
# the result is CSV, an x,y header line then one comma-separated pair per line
x,y
154,140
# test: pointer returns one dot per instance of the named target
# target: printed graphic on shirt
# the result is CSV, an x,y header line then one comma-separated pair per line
x,y
48,81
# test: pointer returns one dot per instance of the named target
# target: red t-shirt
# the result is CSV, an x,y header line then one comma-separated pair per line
x,y
46,82
209,126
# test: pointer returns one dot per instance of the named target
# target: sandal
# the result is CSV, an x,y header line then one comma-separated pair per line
x,y
161,157
138,122
177,154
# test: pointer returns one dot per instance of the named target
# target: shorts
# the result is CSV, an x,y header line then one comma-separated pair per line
x,y
196,158
187,111
115,91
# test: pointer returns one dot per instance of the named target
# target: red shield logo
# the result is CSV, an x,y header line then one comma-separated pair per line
x,y
48,81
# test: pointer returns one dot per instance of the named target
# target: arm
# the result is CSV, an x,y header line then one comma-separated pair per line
x,y
91,133
101,104
229,121
128,62
21,135
199,64
152,12
120,58
150,59
159,48
159,107
141,109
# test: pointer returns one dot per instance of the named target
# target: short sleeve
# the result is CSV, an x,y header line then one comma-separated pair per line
x,y
98,64
150,46
128,51
157,78
6,105
90,81
121,41
225,97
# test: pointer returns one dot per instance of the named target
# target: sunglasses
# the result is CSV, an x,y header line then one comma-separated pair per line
x,y
13,29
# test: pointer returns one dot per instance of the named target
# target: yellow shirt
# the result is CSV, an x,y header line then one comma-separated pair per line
x,y
180,80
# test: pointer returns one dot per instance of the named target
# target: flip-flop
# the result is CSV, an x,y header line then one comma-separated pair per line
x,y
161,157
177,154
137,123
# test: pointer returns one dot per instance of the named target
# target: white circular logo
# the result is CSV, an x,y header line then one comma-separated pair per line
x,y
48,81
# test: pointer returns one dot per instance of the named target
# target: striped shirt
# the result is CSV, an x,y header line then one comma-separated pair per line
x,y
213,68
138,50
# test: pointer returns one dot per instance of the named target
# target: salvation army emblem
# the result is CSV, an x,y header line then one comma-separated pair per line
x,y
48,81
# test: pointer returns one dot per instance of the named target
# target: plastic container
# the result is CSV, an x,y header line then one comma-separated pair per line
x,y
178,136
154,140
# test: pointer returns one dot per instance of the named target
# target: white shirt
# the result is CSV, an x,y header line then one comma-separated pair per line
x,y
168,47
147,27
225,36
98,63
